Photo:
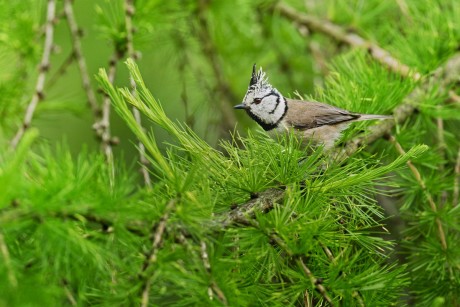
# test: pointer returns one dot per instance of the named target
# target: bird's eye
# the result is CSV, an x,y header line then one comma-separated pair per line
x,y
257,100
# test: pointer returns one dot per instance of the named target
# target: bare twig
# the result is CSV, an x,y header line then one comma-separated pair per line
x,y
43,69
422,184
151,257
129,13
456,181
68,293
307,302
102,125
319,63
275,239
404,10
264,202
338,33
442,151
315,281
440,134
454,97
7,260
355,293
182,65
61,70
78,53
213,288
227,97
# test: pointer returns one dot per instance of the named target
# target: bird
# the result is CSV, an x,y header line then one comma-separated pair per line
x,y
315,123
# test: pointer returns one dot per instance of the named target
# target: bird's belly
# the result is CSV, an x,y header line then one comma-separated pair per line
x,y
325,135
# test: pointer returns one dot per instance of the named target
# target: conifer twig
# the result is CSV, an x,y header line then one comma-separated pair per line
x,y
151,257
338,33
454,97
69,294
315,281
129,13
223,88
441,77
306,299
213,288
422,184
7,260
264,202
78,55
442,149
455,198
61,70
42,70
102,125
355,293
275,239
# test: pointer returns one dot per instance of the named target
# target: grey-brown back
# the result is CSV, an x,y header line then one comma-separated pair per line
x,y
304,115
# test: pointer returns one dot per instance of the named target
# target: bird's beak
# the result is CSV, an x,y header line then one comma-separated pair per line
x,y
241,106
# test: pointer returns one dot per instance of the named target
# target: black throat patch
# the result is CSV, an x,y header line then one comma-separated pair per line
x,y
264,125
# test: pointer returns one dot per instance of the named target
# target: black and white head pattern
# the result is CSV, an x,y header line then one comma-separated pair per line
x,y
263,102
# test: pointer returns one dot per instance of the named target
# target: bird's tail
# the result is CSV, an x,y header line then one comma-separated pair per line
x,y
373,116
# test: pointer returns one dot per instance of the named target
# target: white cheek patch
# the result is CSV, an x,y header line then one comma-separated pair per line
x,y
270,110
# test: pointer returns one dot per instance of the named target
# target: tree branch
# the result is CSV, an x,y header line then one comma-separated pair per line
x,y
78,54
275,239
42,70
213,288
129,13
264,202
7,260
315,281
151,257
422,184
456,180
61,70
223,88
442,76
338,33
102,125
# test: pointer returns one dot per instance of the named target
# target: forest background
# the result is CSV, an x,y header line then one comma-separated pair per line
x,y
134,182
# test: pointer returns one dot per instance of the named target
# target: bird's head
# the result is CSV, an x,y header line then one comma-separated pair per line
x,y
262,101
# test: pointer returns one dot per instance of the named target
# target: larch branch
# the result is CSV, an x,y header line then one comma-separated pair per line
x,y
42,70
341,35
455,198
62,69
331,257
422,184
315,281
129,13
222,87
102,124
275,239
78,54
442,76
151,258
7,261
214,287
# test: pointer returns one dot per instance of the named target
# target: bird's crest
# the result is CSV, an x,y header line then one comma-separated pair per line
x,y
259,81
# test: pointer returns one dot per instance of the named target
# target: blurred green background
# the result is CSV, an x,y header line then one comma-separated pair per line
x,y
193,55
196,57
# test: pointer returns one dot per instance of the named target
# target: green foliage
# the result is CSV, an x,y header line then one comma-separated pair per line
x,y
233,220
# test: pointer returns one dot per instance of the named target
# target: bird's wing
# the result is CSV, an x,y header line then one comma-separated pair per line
x,y
305,115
